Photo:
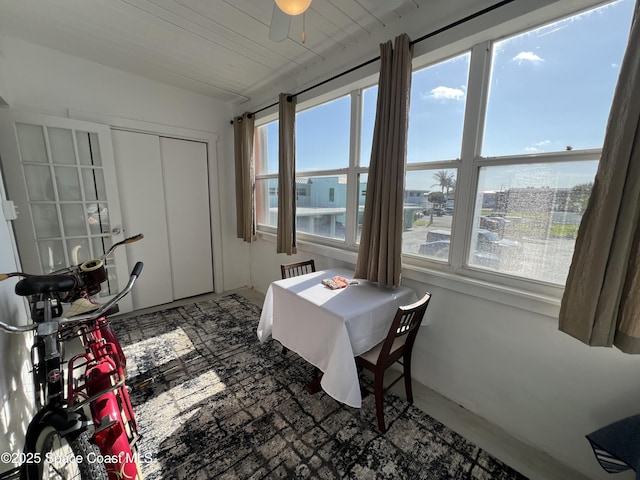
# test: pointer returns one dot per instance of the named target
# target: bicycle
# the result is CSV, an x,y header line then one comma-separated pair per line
x,y
87,430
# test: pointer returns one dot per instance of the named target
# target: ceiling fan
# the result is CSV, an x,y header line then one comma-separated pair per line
x,y
283,10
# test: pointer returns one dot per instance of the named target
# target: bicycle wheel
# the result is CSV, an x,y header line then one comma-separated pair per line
x,y
59,458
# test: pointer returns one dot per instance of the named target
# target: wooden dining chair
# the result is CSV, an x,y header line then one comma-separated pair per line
x,y
396,347
300,268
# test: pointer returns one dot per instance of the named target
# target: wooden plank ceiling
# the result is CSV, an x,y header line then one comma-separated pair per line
x,y
219,48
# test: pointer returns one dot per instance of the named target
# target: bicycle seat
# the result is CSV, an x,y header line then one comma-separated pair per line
x,y
44,284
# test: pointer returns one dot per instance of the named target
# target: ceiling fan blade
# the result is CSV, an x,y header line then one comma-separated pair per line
x,y
280,22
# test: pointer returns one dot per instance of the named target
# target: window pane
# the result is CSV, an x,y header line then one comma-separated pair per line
x,y
322,136
88,148
436,115
265,148
551,88
61,143
316,213
527,216
429,197
267,201
369,101
362,194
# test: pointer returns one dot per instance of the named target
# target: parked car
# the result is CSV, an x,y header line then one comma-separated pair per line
x,y
489,223
440,250
489,242
490,250
499,218
438,212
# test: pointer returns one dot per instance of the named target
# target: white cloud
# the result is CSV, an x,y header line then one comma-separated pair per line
x,y
527,57
531,149
543,143
445,93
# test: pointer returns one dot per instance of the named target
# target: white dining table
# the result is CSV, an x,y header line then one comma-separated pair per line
x,y
328,328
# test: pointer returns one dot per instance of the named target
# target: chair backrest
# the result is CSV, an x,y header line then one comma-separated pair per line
x,y
294,269
406,322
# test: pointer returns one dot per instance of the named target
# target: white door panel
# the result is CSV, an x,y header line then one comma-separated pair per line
x,y
186,188
139,173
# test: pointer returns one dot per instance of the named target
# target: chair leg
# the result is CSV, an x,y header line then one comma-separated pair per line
x,y
379,392
407,378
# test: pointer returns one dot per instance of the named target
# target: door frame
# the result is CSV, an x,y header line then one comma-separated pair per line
x,y
210,139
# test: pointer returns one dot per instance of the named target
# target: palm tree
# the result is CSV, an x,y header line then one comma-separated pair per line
x,y
445,180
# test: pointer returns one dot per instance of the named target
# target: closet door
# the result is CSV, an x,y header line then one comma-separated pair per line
x,y
186,193
139,173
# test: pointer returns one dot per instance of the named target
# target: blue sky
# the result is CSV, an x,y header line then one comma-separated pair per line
x,y
550,88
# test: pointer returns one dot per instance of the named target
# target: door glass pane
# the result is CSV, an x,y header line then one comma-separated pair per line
x,y
61,143
73,219
98,218
88,149
67,183
51,255
39,184
45,220
31,143
93,182
78,249
101,245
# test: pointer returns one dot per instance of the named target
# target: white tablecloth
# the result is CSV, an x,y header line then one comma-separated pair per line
x,y
328,328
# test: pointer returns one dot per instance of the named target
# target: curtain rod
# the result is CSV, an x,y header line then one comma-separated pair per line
x,y
413,42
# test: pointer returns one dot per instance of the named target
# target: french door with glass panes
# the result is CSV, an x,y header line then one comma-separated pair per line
x,y
60,174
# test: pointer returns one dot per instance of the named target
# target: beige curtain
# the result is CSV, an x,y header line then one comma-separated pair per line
x,y
379,256
601,303
243,128
286,232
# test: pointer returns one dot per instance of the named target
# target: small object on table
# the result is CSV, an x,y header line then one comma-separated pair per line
x,y
335,282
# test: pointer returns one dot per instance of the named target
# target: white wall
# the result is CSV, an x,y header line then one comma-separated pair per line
x,y
16,397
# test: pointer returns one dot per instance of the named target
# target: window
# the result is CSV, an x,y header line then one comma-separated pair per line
x,y
434,145
506,136
550,93
321,182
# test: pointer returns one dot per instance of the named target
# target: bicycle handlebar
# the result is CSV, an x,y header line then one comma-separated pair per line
x,y
94,315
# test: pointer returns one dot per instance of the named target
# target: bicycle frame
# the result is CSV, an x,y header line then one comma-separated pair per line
x,y
101,386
